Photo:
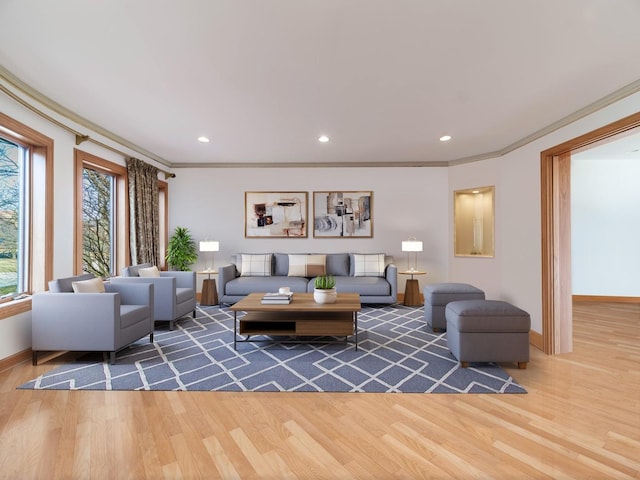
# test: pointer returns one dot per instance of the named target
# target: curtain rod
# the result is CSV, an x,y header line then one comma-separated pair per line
x,y
80,138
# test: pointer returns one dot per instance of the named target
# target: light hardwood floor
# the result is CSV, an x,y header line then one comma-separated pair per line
x,y
580,419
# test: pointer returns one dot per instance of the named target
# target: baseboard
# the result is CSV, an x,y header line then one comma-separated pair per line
x,y
535,339
15,359
605,299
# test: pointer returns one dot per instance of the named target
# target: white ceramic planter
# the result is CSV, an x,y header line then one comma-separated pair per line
x,y
325,295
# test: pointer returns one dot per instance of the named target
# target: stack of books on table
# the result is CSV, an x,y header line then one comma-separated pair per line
x,y
277,298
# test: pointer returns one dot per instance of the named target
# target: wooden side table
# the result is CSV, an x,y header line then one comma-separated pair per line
x,y
209,295
412,289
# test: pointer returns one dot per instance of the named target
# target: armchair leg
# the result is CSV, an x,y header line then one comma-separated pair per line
x,y
170,324
112,358
194,313
34,357
151,337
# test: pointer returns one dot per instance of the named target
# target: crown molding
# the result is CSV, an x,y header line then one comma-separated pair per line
x,y
312,165
54,106
18,84
610,99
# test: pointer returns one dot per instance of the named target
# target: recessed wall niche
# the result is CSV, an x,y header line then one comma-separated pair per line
x,y
473,222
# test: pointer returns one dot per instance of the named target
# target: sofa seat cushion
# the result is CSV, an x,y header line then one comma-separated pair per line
x,y
132,314
247,285
365,286
486,316
184,294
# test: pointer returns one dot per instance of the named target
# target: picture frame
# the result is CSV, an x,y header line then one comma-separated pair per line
x,y
275,214
343,214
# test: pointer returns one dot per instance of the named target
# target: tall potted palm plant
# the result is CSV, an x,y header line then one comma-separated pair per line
x,y
181,251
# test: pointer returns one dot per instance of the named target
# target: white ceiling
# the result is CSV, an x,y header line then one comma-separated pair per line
x,y
384,79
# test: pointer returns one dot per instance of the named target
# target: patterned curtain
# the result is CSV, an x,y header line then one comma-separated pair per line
x,y
144,213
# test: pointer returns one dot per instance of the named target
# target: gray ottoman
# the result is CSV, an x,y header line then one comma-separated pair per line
x,y
436,297
488,331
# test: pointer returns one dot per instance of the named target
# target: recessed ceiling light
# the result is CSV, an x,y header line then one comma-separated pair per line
x,y
445,138
203,139
323,139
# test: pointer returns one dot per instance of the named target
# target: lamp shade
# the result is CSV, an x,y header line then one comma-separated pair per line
x,y
209,246
411,246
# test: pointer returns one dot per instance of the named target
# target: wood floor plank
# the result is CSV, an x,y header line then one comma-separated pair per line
x,y
579,419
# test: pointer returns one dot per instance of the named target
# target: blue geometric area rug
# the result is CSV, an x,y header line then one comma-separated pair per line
x,y
397,352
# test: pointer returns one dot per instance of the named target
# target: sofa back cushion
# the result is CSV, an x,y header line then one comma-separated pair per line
x,y
306,265
338,264
281,264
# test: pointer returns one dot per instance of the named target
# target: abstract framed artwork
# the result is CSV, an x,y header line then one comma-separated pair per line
x,y
275,214
343,214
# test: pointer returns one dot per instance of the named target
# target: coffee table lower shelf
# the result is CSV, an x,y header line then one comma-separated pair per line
x,y
296,324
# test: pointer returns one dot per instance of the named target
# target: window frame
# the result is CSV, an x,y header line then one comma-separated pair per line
x,y
84,160
40,221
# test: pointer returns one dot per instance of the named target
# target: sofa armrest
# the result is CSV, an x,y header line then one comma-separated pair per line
x,y
225,274
69,320
391,274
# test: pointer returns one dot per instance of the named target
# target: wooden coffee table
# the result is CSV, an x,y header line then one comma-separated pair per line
x,y
303,317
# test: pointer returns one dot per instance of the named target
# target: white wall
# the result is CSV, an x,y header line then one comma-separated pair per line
x,y
514,274
605,227
406,202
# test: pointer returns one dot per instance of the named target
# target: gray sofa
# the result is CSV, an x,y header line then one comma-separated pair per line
x,y
232,287
102,322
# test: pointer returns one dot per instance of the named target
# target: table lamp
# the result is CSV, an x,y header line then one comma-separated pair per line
x,y
412,246
209,246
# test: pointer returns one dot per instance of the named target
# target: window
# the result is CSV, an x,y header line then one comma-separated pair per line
x,y
101,216
13,209
98,228
26,212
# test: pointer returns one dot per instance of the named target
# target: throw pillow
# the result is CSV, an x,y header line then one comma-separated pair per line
x,y
307,265
256,265
368,265
95,285
149,272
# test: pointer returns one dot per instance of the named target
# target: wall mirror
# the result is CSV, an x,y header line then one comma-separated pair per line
x,y
473,222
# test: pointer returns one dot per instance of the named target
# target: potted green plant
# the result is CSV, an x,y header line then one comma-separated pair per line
x,y
325,289
181,251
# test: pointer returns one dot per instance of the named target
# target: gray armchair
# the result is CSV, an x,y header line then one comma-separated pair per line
x,y
102,322
175,292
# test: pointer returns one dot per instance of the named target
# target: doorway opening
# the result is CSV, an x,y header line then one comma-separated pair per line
x,y
555,178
